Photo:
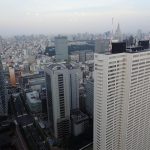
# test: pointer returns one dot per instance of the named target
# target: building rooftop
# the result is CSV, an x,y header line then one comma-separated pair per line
x,y
77,116
33,97
61,66
136,49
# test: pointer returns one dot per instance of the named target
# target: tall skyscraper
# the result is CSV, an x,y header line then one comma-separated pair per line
x,y
61,48
62,95
121,101
3,98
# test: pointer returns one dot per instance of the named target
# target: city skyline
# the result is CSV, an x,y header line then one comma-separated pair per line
x,y
70,16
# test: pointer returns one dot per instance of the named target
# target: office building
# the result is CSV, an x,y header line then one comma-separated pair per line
x,y
82,56
121,101
61,48
89,99
74,74
3,97
58,100
62,83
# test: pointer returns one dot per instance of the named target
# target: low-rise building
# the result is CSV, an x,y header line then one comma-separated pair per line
x,y
80,122
34,101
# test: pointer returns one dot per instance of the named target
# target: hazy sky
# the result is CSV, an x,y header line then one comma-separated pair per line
x,y
72,16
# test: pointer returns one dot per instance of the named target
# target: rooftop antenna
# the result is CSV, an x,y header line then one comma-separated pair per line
x,y
111,38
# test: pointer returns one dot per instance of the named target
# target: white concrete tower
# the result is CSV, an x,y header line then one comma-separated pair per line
x,y
121,101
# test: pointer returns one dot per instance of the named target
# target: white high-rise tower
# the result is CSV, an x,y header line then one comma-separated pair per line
x,y
121,101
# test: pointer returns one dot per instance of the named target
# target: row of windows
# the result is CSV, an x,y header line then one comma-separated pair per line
x,y
139,55
119,56
61,95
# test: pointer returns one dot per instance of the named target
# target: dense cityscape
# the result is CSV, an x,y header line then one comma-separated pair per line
x,y
55,91
73,77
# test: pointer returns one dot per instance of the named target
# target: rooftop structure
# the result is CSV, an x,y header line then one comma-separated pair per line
x,y
34,101
80,122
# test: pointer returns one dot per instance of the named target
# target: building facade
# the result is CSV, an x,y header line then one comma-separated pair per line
x,y
121,101
89,100
61,48
58,105
3,97
74,79
62,84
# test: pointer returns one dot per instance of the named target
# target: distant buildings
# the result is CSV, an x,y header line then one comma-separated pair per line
x,y
118,34
101,45
61,48
12,76
82,56
121,100
139,35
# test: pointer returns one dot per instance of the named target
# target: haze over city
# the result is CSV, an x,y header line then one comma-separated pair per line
x,y
72,16
74,75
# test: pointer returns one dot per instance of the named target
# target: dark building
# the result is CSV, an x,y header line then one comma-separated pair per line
x,y
3,98
44,101
135,49
144,44
118,47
